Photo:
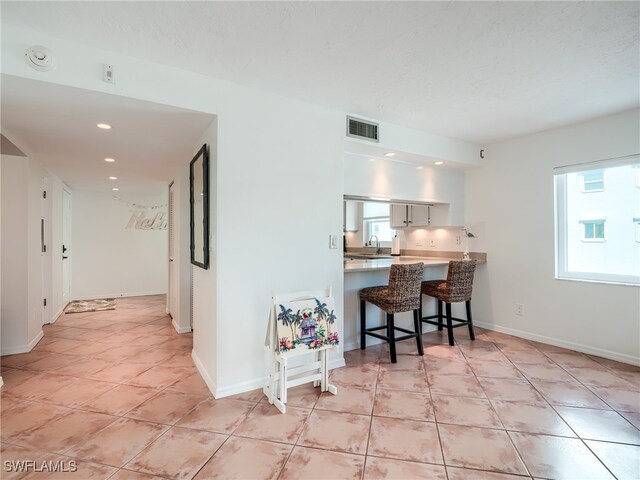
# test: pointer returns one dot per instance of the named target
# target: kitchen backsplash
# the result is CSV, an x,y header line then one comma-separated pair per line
x,y
435,239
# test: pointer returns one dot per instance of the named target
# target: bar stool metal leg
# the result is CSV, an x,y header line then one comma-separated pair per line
x,y
391,333
363,325
439,315
449,324
417,324
471,335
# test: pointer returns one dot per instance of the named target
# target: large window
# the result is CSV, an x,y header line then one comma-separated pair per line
x,y
597,235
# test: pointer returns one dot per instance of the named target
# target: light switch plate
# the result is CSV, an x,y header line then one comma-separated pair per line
x,y
333,241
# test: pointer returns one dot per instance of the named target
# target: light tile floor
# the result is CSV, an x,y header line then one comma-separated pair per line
x,y
117,392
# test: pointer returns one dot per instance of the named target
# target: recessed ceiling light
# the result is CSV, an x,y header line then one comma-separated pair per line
x,y
438,163
419,168
110,160
104,126
115,189
389,154
113,178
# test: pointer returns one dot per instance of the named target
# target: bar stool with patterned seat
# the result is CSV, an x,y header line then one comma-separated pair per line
x,y
401,295
456,288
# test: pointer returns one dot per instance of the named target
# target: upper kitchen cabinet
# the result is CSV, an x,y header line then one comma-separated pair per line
x,y
406,216
413,216
352,216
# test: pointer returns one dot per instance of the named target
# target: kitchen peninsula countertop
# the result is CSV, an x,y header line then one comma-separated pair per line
x,y
365,265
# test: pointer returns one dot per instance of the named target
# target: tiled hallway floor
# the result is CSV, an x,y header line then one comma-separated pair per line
x,y
117,391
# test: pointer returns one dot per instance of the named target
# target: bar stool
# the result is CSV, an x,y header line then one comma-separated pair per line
x,y
456,288
401,295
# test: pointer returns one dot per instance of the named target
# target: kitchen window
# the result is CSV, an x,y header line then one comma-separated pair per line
x,y
376,221
595,239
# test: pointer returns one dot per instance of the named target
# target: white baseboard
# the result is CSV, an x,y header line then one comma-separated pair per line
x,y
1,382
203,373
23,348
178,328
247,386
57,314
116,295
619,357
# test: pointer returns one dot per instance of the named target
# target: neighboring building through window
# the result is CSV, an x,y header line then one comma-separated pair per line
x,y
592,181
592,230
595,239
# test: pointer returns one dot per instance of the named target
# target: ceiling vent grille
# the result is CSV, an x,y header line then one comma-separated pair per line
x,y
360,129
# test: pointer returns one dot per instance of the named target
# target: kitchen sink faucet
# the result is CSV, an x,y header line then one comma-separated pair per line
x,y
377,243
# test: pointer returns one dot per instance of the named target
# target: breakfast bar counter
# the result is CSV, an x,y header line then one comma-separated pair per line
x,y
360,273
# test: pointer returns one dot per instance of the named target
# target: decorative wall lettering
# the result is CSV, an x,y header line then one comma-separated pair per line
x,y
141,220
146,217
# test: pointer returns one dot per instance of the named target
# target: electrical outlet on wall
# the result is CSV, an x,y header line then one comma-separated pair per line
x,y
458,240
432,242
419,242
519,309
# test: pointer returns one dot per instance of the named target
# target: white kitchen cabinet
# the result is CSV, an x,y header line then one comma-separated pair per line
x,y
352,216
439,215
413,216
407,216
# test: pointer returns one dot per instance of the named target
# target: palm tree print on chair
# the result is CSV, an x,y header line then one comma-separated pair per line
x,y
310,325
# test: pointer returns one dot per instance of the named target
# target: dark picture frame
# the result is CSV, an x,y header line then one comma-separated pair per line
x,y
199,200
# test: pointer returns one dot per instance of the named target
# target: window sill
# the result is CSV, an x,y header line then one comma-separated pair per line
x,y
605,282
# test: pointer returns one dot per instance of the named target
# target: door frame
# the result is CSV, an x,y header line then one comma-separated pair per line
x,y
67,237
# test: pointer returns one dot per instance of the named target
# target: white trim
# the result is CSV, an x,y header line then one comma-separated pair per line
x,y
1,382
597,164
211,385
57,315
247,386
619,357
178,328
117,295
23,348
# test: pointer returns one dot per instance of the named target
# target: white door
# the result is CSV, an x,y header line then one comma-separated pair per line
x,y
171,290
45,254
66,246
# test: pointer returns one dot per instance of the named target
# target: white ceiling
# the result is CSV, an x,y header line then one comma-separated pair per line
x,y
57,125
480,71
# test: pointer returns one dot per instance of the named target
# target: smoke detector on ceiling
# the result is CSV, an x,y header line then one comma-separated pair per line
x,y
40,58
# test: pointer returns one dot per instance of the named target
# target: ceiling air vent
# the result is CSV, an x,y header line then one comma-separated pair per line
x,y
360,129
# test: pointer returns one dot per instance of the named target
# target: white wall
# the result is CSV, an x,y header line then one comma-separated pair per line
x,y
15,308
512,199
109,259
22,263
181,308
207,343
